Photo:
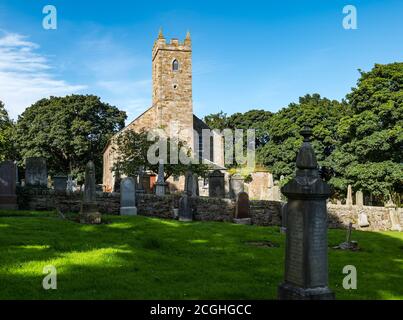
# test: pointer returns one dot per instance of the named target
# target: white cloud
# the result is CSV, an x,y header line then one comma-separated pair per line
x,y
26,75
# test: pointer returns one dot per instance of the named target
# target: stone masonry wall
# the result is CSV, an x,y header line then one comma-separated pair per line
x,y
263,212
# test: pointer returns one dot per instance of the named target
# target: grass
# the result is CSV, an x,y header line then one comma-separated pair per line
x,y
146,258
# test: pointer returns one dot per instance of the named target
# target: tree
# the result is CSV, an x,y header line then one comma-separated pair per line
x,y
7,149
370,152
252,119
68,131
132,149
284,127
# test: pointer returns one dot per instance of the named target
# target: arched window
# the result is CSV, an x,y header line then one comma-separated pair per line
x,y
175,65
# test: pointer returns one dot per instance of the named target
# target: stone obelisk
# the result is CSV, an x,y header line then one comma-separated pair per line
x,y
306,263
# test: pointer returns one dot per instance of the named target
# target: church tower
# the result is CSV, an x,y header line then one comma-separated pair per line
x,y
172,86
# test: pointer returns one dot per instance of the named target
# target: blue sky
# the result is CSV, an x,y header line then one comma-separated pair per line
x,y
246,54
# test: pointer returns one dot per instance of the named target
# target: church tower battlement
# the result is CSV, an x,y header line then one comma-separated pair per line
x,y
172,85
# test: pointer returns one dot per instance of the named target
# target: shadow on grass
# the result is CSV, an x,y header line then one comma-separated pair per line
x,y
149,258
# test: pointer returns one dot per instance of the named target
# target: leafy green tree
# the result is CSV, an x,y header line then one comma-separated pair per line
x,y
132,148
68,131
284,127
252,119
371,138
7,149
217,120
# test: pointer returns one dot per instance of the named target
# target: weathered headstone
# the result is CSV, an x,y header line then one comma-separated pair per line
x,y
89,208
36,172
349,199
216,184
160,186
60,183
242,209
237,185
128,197
348,244
8,197
185,211
362,219
393,215
306,263
192,184
359,199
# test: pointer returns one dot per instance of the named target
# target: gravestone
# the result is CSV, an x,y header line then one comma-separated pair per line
x,y
8,197
70,186
242,209
160,186
276,192
185,211
283,228
118,180
348,244
359,199
306,261
216,184
349,199
140,185
191,184
128,197
394,216
362,219
60,183
89,208
237,184
36,172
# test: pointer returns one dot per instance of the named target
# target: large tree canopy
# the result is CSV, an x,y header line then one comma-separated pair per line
x,y
321,114
252,119
7,150
68,132
370,151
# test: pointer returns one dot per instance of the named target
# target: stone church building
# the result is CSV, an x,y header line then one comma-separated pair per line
x,y
172,106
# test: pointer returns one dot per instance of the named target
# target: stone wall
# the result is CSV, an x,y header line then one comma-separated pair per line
x,y
263,212
46,199
378,217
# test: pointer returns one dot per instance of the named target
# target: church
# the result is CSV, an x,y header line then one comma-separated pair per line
x,y
172,105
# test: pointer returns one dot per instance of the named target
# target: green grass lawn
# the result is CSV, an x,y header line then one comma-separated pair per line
x,y
146,258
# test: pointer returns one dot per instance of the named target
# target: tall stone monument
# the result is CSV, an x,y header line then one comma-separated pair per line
x,y
192,184
359,199
8,197
128,197
306,263
349,199
36,172
89,209
216,184
160,186
140,185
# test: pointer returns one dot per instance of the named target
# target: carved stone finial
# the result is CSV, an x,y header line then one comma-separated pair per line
x,y
306,158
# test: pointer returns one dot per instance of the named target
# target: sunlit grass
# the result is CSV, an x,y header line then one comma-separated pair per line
x,y
148,258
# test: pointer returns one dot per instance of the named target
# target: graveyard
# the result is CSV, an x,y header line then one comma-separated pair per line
x,y
150,258
245,152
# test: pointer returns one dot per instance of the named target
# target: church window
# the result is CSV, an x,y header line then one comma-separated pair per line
x,y
175,65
